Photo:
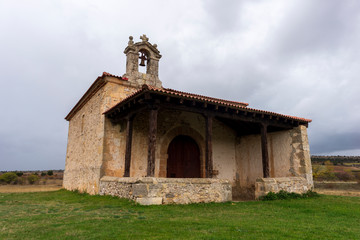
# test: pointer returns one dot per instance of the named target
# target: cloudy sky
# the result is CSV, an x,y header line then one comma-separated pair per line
x,y
298,57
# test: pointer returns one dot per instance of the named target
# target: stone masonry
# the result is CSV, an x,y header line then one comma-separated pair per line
x,y
289,184
147,191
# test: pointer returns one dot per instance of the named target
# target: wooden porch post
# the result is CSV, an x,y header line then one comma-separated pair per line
x,y
129,129
208,147
152,140
264,150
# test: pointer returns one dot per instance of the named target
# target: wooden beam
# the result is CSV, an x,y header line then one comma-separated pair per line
x,y
264,151
152,140
119,117
129,129
208,147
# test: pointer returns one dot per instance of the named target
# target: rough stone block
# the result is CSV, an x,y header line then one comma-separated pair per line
x,y
140,190
149,201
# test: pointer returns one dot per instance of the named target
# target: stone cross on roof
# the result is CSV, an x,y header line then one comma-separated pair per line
x,y
144,38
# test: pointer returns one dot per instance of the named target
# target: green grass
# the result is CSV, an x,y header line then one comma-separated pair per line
x,y
69,215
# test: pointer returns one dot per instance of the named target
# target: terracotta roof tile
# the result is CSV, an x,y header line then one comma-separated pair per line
x,y
106,74
197,96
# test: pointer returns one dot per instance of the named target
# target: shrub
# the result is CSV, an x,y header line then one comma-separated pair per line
x,y
8,177
19,174
43,174
324,172
287,195
19,180
357,176
310,194
33,178
50,173
344,176
270,196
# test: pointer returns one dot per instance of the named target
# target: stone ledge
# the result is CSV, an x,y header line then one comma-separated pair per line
x,y
149,190
290,184
163,180
149,201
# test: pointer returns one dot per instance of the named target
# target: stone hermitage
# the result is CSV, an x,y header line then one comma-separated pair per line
x,y
130,137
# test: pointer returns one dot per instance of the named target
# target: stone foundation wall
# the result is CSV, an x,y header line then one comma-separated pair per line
x,y
290,184
147,191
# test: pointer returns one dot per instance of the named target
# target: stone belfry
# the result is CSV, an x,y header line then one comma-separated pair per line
x,y
144,54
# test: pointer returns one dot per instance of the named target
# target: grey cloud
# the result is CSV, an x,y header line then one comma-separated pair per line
x,y
316,27
307,65
223,15
335,142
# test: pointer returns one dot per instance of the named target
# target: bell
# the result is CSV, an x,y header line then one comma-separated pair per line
x,y
143,58
142,62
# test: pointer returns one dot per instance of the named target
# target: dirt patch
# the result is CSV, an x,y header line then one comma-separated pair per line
x,y
53,185
338,188
338,192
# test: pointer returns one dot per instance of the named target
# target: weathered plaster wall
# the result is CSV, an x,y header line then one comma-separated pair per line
x,y
88,139
224,151
248,165
289,156
279,147
140,142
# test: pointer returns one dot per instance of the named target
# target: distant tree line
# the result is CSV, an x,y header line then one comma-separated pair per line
x,y
335,160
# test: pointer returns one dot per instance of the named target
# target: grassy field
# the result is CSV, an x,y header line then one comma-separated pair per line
x,y
68,215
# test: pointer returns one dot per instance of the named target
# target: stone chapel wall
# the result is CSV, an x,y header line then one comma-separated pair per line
x,y
86,152
115,133
85,147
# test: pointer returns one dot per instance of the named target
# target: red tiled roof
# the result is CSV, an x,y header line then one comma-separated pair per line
x,y
197,96
106,74
233,104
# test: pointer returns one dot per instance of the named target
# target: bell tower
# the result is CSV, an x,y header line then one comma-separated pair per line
x,y
144,54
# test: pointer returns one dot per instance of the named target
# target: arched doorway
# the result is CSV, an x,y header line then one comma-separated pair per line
x,y
183,158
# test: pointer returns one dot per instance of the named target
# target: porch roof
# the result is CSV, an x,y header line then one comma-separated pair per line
x,y
177,100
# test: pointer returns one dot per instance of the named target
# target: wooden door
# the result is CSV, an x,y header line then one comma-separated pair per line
x,y
183,158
